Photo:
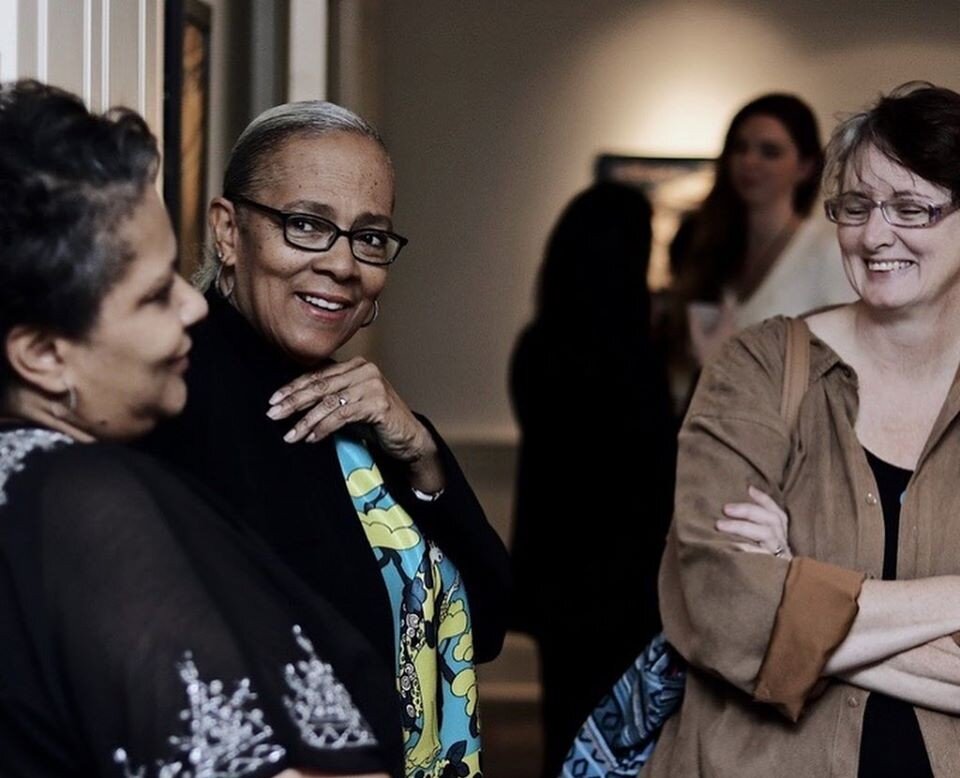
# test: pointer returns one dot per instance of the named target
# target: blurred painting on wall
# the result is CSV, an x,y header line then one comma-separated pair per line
x,y
675,187
186,117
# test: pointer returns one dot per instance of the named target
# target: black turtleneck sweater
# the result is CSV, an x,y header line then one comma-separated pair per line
x,y
295,498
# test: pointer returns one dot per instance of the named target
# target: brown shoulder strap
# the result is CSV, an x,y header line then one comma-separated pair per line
x,y
796,370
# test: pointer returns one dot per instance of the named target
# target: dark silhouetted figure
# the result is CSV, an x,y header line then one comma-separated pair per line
x,y
597,454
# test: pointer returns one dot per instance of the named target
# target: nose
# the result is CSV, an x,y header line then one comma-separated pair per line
x,y
337,261
193,306
877,233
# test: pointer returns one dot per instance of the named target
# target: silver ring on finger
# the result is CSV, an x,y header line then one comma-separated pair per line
x,y
341,400
778,551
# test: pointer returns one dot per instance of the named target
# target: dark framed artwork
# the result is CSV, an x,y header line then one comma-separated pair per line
x,y
675,186
186,116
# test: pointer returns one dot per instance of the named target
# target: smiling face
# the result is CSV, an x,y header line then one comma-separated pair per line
x,y
128,370
306,303
764,163
896,267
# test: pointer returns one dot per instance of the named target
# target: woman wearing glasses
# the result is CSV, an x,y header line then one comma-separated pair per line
x,y
822,637
322,458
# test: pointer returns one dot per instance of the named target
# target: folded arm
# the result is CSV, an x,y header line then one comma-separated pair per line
x,y
895,616
720,605
927,676
900,640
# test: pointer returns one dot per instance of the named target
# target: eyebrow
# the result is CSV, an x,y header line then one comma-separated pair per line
x,y
896,193
367,218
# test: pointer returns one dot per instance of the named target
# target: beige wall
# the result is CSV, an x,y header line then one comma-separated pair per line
x,y
495,110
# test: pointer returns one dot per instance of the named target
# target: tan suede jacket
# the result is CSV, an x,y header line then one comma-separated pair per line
x,y
757,630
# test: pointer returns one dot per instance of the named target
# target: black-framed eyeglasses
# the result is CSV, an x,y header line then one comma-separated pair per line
x,y
852,210
314,233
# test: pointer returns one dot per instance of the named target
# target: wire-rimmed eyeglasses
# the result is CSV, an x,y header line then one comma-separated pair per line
x,y
314,233
852,210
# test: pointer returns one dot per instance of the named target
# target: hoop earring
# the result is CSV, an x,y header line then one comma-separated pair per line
x,y
61,410
218,279
376,313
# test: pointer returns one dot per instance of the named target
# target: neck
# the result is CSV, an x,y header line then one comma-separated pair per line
x,y
919,342
45,411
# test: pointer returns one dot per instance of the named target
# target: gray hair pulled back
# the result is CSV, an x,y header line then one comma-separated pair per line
x,y
246,171
277,125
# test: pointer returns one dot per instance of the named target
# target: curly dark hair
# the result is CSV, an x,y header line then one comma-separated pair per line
x,y
68,177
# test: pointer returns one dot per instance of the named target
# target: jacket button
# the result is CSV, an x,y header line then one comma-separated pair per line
x,y
852,701
871,498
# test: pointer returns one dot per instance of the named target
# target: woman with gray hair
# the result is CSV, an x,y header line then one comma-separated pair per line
x,y
820,617
322,458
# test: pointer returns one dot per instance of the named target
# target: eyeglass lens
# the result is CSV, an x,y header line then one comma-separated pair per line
x,y
319,234
853,209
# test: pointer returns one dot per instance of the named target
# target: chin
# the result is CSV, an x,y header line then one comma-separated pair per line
x,y
174,405
309,352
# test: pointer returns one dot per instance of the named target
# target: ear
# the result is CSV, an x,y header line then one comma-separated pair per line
x,y
38,357
222,218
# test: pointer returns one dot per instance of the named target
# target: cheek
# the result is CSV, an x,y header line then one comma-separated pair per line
x,y
849,240
260,258
373,281
787,170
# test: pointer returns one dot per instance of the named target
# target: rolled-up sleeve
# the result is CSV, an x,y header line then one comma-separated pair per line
x,y
818,606
731,613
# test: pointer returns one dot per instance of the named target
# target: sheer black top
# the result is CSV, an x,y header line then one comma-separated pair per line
x,y
139,630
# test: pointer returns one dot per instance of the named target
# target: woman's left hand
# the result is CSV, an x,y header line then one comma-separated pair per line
x,y
760,526
356,391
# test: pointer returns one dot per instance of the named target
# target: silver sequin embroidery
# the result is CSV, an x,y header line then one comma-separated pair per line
x,y
15,445
228,737
321,706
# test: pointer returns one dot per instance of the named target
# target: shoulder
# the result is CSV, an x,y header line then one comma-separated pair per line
x,y
95,479
755,350
21,447
747,375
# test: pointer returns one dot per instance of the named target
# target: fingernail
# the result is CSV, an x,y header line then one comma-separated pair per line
x,y
274,412
276,397
290,436
311,438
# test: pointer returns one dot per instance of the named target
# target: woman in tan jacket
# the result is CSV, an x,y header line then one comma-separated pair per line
x,y
832,652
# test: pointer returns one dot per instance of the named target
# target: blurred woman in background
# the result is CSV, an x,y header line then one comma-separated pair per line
x,y
755,247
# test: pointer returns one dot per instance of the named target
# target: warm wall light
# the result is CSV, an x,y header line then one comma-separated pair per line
x,y
671,74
